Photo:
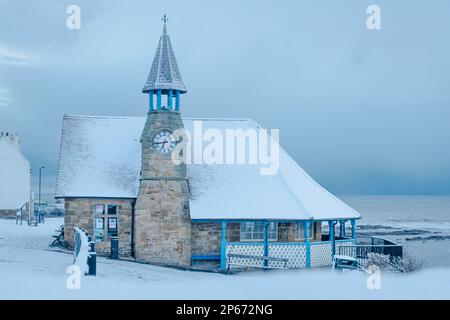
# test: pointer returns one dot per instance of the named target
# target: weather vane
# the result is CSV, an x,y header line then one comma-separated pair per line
x,y
164,18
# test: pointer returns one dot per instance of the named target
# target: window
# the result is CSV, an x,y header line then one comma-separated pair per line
x,y
112,209
105,221
300,231
254,231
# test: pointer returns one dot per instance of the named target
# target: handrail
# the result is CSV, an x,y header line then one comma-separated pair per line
x,y
377,238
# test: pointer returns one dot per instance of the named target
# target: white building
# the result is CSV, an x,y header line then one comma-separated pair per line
x,y
14,176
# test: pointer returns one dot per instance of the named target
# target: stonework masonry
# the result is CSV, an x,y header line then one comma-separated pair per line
x,y
79,212
206,238
163,233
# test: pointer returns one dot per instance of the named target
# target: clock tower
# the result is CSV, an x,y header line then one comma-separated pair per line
x,y
162,225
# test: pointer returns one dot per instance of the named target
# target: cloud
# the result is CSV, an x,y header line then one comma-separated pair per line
x,y
9,56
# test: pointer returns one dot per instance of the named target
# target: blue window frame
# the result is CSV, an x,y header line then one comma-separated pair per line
x,y
254,231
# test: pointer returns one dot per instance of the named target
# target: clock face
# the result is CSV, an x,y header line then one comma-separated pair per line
x,y
164,142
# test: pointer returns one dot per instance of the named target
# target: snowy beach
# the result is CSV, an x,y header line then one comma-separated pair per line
x,y
30,269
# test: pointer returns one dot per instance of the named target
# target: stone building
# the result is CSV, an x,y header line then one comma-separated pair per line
x,y
14,176
121,176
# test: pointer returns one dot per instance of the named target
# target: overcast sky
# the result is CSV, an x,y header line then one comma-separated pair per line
x,y
364,112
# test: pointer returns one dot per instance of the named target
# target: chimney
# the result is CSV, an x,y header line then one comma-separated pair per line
x,y
10,138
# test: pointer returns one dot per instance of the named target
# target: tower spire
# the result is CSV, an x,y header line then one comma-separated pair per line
x,y
164,77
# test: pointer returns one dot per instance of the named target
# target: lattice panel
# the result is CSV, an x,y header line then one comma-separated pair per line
x,y
251,250
295,253
321,255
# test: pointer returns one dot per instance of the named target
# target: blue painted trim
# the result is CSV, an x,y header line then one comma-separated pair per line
x,y
246,243
353,229
158,100
247,220
223,247
150,101
170,99
287,244
331,228
206,257
266,242
177,101
271,243
260,220
308,245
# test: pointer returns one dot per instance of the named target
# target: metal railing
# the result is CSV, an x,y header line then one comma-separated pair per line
x,y
365,245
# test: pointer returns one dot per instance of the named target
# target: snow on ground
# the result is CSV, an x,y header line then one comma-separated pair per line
x,y
29,269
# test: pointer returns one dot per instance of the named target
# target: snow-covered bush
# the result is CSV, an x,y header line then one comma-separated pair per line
x,y
385,262
406,264
376,259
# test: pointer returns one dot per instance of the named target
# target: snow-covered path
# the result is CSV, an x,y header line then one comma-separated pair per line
x,y
30,270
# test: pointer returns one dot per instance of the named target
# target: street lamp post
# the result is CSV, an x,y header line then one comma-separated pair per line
x,y
30,206
39,207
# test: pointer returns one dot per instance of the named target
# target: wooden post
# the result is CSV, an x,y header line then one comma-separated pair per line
x,y
150,101
308,245
331,232
266,242
223,247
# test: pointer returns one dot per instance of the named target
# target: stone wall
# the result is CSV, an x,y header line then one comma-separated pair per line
x,y
163,225
206,238
79,213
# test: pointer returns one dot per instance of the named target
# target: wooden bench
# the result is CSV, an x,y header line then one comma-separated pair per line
x,y
59,237
205,257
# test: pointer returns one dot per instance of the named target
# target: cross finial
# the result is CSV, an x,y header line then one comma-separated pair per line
x,y
164,18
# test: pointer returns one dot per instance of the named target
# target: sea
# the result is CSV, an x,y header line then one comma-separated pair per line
x,y
420,223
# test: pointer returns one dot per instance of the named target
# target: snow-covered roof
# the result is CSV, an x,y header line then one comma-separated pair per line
x,y
101,157
14,174
164,73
